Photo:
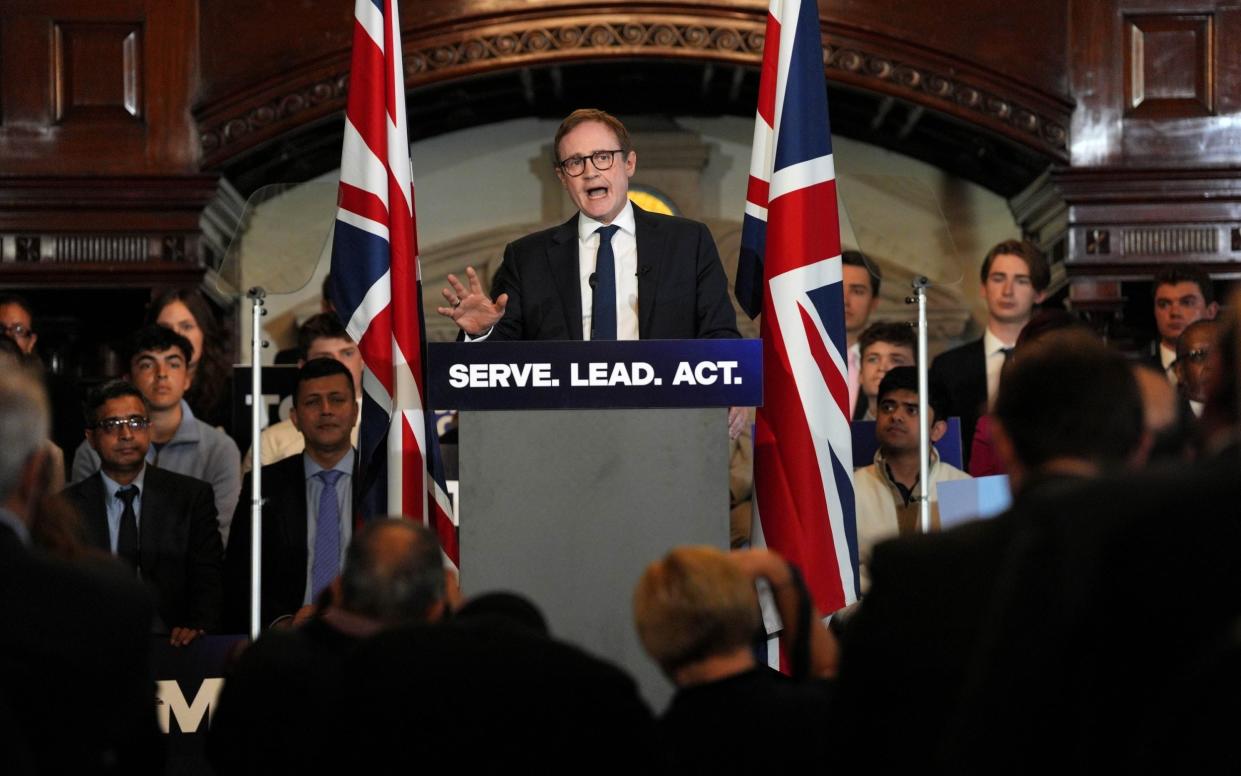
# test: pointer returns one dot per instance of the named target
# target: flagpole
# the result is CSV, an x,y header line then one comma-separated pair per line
x,y
257,312
920,285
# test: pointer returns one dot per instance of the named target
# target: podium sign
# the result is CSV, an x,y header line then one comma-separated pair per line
x,y
595,375
598,458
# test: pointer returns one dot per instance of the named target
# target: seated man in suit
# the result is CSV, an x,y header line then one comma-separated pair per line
x,y
157,360
613,271
278,711
697,615
1182,294
1069,411
75,640
308,514
1014,276
321,336
883,346
888,492
161,524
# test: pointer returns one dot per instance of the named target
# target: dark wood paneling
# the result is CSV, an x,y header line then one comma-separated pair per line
x,y
1169,68
97,86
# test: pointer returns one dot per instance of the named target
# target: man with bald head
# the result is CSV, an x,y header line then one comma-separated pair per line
x,y
1193,363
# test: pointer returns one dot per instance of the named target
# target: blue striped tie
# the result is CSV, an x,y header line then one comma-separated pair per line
x,y
327,535
603,313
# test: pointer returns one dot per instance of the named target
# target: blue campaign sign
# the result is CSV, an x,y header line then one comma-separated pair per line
x,y
595,375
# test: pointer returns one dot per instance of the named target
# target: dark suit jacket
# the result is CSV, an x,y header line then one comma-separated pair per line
x,y
907,654
284,547
75,650
180,552
963,373
285,543
682,289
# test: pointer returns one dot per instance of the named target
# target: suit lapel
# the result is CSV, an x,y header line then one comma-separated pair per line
x,y
95,514
294,522
153,523
651,249
562,259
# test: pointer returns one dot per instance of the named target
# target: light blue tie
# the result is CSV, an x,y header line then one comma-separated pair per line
x,y
327,535
603,314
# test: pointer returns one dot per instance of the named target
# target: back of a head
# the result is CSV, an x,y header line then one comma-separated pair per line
x,y
23,424
1069,396
693,604
394,572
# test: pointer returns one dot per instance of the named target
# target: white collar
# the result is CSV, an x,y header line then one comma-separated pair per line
x,y
586,226
992,344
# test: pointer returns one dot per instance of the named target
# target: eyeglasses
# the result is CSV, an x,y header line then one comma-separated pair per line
x,y
113,425
17,331
1197,356
576,165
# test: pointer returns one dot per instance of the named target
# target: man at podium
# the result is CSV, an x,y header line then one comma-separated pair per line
x,y
613,271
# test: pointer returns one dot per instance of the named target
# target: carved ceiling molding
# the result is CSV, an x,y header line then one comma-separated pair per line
x,y
232,126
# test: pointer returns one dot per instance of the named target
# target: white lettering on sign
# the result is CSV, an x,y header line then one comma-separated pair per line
x,y
598,374
501,376
171,703
706,373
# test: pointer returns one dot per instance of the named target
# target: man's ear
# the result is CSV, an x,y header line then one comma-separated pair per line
x,y
1178,369
293,417
1211,311
938,429
1040,296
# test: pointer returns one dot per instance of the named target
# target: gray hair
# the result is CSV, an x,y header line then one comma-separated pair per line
x,y
394,571
23,425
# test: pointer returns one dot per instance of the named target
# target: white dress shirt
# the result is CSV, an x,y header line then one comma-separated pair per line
x,y
993,350
625,251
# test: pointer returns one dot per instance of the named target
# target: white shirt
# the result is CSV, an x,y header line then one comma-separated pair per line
x,y
1167,356
625,251
855,376
993,350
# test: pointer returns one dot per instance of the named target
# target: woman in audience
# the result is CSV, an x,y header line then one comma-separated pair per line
x,y
186,312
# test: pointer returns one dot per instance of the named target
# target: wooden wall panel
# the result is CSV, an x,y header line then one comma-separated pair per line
x,y
1169,65
97,87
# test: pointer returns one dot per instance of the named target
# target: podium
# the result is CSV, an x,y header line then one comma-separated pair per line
x,y
605,456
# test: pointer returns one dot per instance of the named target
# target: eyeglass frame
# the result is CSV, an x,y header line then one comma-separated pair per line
x,y
1196,356
16,330
113,425
562,164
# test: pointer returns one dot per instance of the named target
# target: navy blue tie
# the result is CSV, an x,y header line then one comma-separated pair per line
x,y
327,535
127,536
603,311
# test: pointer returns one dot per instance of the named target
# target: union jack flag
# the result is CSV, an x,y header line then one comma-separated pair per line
x,y
790,268
376,282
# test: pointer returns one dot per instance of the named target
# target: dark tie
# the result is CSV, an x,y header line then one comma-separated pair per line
x,y
127,537
327,535
1007,352
603,315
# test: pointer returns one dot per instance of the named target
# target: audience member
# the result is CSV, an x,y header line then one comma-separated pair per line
x,y
188,313
74,647
160,523
12,357
278,708
861,289
17,322
1183,294
156,358
321,336
1166,417
308,514
888,493
1112,641
488,695
1014,276
1069,410
883,346
1193,362
697,615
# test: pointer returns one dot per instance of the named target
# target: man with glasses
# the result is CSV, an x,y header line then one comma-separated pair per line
x,y
17,321
613,271
1193,362
157,360
160,524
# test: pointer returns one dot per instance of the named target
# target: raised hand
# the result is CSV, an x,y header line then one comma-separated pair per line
x,y
470,308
